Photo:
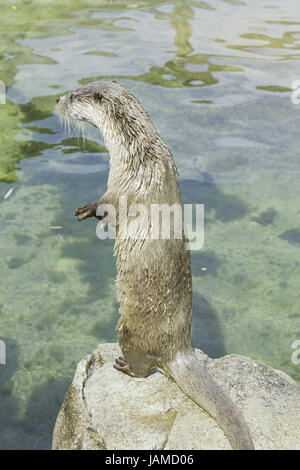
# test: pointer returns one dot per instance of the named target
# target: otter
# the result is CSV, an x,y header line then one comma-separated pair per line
x,y
154,275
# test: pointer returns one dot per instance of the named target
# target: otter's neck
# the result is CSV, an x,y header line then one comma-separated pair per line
x,y
136,156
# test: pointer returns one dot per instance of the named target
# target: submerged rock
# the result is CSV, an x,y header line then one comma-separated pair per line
x,y
105,409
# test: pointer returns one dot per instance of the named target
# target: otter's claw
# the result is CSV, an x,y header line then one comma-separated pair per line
x,y
86,211
122,365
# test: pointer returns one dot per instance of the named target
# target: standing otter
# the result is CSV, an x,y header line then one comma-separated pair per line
x,y
154,275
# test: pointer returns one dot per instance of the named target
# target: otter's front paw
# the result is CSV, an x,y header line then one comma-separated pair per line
x,y
86,211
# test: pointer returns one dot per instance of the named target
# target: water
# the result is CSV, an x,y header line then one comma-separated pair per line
x,y
216,77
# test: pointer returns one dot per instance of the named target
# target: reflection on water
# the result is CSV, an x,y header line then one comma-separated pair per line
x,y
216,77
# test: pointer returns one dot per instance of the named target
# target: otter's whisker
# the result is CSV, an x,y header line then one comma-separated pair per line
x,y
83,135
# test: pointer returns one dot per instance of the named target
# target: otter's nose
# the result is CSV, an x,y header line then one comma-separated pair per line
x,y
57,101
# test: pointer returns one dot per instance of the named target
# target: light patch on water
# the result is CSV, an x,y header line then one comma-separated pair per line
x,y
239,142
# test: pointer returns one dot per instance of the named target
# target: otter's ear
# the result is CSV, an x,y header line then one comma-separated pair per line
x,y
98,96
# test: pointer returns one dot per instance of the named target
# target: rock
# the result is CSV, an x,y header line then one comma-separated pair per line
x,y
105,409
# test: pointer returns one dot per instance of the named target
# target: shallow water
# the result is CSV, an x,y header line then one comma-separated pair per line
x,y
216,77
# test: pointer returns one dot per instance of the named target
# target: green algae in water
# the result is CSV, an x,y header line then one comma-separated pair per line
x,y
280,89
13,150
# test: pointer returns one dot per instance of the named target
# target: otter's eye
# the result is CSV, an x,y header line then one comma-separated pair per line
x,y
98,97
72,96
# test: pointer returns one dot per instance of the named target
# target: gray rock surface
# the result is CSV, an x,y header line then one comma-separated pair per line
x,y
105,409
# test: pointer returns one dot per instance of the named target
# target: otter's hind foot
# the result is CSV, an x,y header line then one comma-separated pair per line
x,y
122,366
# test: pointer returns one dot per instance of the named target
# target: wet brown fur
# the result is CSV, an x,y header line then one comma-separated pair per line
x,y
154,276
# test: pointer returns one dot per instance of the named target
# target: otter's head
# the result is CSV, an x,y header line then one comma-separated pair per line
x,y
110,107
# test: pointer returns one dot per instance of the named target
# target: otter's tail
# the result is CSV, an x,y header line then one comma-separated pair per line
x,y
198,385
